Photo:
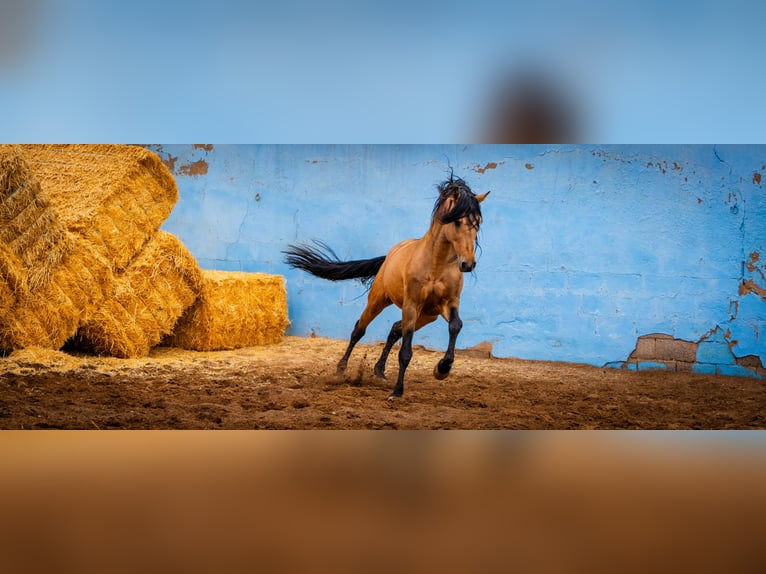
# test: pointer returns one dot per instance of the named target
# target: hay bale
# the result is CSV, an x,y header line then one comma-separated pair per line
x,y
13,279
13,286
145,302
86,277
80,255
51,314
114,197
28,225
45,318
14,171
234,310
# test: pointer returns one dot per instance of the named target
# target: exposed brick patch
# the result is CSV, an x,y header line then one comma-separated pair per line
x,y
481,351
752,362
711,354
684,366
662,348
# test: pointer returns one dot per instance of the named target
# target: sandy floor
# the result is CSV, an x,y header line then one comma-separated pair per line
x,y
292,386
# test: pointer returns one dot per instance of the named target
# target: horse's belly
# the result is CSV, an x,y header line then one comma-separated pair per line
x,y
430,299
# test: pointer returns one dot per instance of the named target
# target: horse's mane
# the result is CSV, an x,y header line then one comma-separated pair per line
x,y
466,205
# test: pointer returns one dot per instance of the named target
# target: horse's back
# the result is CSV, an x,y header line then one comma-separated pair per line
x,y
403,248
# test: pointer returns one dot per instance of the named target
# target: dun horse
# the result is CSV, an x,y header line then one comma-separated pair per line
x,y
423,277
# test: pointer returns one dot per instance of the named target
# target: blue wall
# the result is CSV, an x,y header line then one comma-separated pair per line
x,y
584,248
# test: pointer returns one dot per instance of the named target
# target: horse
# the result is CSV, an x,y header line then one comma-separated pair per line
x,y
423,277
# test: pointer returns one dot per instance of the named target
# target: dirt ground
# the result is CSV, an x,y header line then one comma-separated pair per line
x,y
292,386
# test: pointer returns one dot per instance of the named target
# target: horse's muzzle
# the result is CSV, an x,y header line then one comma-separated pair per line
x,y
467,266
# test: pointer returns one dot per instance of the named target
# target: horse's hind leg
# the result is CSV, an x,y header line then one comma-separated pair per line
x,y
405,355
443,367
356,336
393,337
375,305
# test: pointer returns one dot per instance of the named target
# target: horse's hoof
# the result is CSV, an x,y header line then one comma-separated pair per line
x,y
393,396
439,375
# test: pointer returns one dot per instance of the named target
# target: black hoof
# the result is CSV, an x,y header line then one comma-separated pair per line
x,y
395,395
442,372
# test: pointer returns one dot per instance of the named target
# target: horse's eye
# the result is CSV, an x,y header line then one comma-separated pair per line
x,y
457,223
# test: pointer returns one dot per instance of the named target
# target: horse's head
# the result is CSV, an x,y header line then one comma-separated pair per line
x,y
457,211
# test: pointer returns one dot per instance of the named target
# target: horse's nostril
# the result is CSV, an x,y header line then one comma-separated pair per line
x,y
466,267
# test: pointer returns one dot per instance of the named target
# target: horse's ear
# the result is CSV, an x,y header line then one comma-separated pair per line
x,y
482,197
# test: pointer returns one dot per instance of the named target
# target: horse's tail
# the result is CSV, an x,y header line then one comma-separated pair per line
x,y
322,261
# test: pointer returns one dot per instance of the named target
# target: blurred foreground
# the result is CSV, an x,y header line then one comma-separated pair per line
x,y
372,72
381,502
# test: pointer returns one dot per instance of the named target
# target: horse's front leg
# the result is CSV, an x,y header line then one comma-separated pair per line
x,y
443,367
409,326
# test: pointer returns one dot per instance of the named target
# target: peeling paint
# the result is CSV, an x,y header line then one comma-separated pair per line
x,y
753,266
170,162
198,167
664,166
749,286
733,310
604,155
489,165
756,178
529,166
206,147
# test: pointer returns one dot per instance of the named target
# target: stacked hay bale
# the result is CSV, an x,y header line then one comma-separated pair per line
x,y
11,279
146,301
112,197
82,259
233,310
37,302
28,224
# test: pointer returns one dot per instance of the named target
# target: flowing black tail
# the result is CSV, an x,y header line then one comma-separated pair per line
x,y
322,261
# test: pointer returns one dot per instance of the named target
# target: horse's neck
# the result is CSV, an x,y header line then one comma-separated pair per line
x,y
441,251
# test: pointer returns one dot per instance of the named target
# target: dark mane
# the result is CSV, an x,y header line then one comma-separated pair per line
x,y
466,204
